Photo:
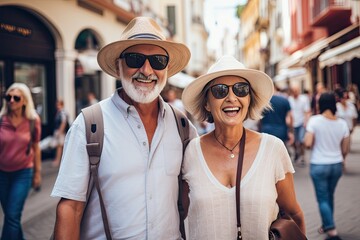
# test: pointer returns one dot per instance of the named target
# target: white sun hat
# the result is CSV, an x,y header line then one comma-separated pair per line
x,y
260,83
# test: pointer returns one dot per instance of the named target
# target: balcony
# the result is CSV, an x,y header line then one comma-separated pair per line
x,y
331,14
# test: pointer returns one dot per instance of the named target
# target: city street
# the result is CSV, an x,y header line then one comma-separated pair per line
x,y
39,213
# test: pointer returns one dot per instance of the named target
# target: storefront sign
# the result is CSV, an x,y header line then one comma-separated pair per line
x,y
17,30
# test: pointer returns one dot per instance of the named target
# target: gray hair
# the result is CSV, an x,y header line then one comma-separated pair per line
x,y
255,110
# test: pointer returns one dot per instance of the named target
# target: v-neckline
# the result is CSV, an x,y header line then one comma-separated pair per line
x,y
18,123
214,179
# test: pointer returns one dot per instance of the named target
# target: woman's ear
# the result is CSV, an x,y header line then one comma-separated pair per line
x,y
207,107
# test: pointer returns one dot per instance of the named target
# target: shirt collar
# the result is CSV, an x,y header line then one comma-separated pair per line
x,y
126,109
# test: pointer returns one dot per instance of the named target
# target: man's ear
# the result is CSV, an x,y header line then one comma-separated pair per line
x,y
117,62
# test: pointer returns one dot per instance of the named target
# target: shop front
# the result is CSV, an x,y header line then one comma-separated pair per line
x,y
27,56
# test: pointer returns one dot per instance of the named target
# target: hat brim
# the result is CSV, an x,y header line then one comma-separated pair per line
x,y
179,54
260,83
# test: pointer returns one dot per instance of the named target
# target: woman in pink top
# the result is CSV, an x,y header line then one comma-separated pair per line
x,y
20,159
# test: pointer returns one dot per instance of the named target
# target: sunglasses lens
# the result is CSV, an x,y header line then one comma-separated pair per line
x,y
9,97
134,60
158,62
241,89
137,60
219,91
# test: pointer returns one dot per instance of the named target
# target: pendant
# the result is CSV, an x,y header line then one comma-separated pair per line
x,y
232,155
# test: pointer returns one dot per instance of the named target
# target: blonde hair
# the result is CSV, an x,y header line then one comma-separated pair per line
x,y
28,108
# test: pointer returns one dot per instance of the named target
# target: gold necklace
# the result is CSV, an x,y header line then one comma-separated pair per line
x,y
232,155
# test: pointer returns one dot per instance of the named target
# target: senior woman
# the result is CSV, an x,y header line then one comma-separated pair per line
x,y
227,95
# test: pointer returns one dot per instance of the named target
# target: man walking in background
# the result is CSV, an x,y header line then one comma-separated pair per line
x,y
301,111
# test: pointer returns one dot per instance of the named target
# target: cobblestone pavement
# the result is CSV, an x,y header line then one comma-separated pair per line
x,y
39,213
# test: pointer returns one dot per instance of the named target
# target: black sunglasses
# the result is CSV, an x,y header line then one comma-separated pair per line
x,y
9,97
137,60
240,89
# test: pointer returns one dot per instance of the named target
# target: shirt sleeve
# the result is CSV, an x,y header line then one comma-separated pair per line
x,y
283,164
37,129
310,125
346,130
73,177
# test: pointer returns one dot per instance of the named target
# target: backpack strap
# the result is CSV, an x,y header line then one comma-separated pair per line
x,y
94,126
182,124
32,135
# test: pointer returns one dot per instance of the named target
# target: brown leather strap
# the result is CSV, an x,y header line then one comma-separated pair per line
x,y
94,125
238,179
182,124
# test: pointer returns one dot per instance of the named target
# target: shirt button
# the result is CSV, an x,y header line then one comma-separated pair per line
x,y
144,143
150,196
138,126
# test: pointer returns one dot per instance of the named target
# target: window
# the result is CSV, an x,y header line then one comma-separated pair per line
x,y
171,19
34,75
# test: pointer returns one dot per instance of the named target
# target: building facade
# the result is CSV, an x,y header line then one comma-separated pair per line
x,y
325,41
52,46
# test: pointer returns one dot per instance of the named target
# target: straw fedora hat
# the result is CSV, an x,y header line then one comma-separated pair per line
x,y
260,82
143,30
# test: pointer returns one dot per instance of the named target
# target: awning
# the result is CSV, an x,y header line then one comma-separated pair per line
x,y
340,54
88,61
313,50
291,61
289,73
180,80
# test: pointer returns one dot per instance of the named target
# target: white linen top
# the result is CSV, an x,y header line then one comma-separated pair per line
x,y
328,135
212,211
299,106
348,114
139,183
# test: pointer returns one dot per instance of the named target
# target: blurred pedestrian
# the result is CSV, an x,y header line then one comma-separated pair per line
x,y
227,95
91,98
174,101
346,110
60,129
328,136
354,95
301,111
57,139
278,121
320,88
20,156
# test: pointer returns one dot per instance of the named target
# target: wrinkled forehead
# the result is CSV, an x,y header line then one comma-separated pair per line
x,y
228,79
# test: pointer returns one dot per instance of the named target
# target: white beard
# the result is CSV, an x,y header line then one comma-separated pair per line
x,y
142,94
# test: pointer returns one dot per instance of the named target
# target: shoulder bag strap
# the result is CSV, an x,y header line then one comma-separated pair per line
x,y
238,179
182,124
94,126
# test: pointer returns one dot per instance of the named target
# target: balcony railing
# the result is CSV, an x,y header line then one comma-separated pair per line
x,y
321,5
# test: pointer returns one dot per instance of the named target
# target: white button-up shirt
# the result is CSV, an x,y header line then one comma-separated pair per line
x,y
138,182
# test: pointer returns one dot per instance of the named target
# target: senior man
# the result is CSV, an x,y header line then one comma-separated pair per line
x,y
142,152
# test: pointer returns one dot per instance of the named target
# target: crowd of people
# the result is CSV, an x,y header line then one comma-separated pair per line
x,y
237,113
